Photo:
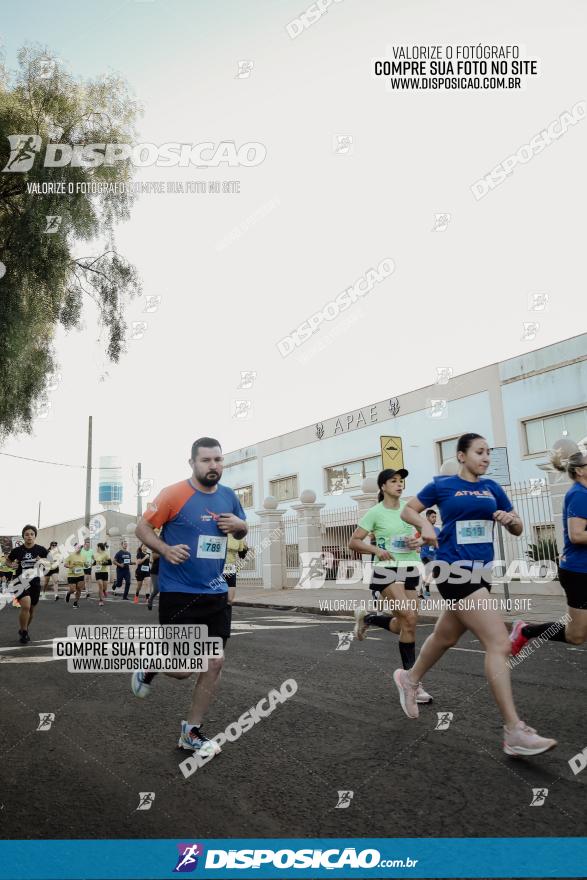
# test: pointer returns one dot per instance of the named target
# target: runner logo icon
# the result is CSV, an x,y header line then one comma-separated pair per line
x,y
23,149
188,857
146,799
46,719
344,800
314,567
344,641
539,795
444,719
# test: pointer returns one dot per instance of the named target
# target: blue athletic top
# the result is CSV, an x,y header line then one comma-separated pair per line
x,y
189,516
466,510
574,556
427,551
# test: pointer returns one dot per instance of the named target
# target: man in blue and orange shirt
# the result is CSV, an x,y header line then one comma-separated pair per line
x,y
195,517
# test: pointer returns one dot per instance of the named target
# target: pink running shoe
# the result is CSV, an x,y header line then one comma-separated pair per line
x,y
516,638
524,741
407,693
422,696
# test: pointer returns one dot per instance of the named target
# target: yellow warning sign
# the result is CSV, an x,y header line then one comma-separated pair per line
x,y
392,453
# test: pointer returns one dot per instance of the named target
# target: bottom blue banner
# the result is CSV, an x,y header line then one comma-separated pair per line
x,y
376,858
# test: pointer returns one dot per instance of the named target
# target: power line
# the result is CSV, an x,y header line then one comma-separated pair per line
x,y
58,463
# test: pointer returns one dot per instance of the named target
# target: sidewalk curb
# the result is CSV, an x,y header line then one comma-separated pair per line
x,y
297,608
422,618
274,606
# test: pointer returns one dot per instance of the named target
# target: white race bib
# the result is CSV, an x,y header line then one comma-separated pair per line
x,y
144,568
399,545
229,569
78,571
211,547
474,531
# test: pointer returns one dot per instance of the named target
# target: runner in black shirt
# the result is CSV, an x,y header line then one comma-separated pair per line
x,y
122,561
143,571
26,560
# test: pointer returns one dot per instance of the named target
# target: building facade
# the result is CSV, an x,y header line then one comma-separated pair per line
x,y
521,405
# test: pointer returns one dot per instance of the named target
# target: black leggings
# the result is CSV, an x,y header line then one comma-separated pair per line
x,y
154,588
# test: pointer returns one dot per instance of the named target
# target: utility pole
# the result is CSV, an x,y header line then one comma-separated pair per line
x,y
89,475
139,496
39,517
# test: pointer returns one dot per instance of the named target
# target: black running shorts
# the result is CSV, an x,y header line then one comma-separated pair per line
x,y
33,591
383,576
75,579
230,579
87,570
211,610
452,586
574,583
101,575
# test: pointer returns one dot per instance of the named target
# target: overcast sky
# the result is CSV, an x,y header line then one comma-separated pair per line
x,y
315,220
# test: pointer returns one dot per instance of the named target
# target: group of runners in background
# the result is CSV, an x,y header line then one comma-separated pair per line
x,y
30,572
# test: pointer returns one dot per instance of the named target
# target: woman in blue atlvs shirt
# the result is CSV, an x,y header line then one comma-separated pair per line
x,y
572,569
469,506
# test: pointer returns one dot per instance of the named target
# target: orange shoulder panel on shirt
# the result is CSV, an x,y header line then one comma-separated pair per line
x,y
168,503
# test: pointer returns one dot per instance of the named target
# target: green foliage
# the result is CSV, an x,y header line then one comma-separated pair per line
x,y
46,280
545,548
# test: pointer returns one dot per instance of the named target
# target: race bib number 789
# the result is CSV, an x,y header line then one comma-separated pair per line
x,y
211,547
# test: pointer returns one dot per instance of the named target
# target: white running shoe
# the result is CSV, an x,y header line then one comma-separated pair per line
x,y
360,625
194,740
139,686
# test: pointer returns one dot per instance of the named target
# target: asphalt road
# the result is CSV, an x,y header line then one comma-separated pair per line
x,y
342,731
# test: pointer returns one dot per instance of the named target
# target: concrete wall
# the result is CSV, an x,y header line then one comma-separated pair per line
x,y
535,395
419,434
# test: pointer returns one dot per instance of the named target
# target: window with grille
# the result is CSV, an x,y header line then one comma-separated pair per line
x,y
284,489
245,496
351,474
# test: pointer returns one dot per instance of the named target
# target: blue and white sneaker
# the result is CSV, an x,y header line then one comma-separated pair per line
x,y
139,686
193,739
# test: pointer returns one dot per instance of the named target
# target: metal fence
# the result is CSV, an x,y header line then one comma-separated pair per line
x,y
336,528
537,543
251,569
531,500
289,525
